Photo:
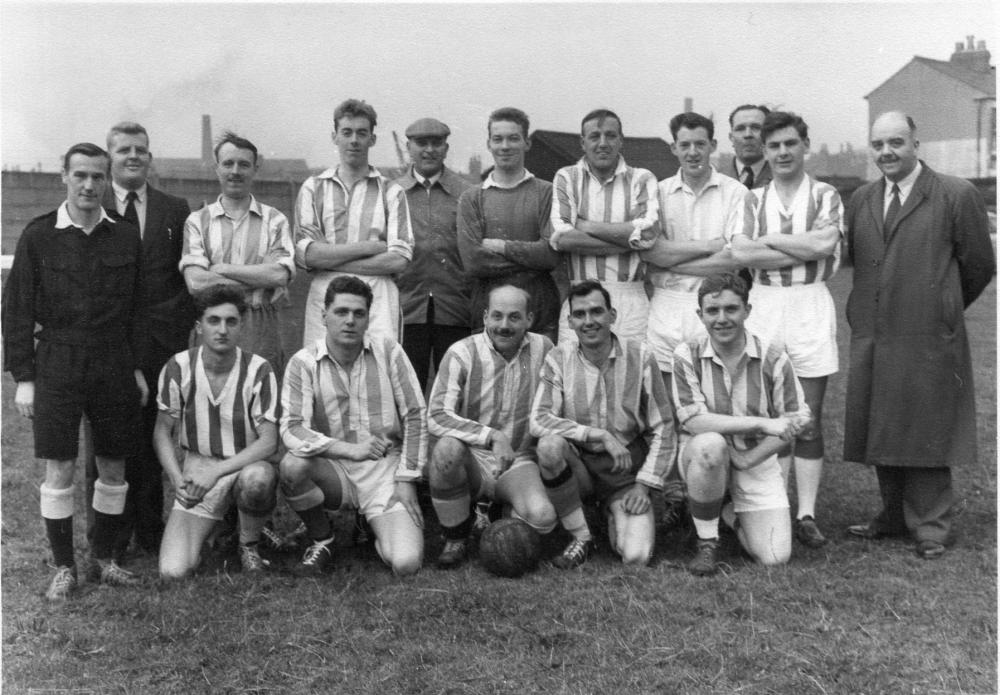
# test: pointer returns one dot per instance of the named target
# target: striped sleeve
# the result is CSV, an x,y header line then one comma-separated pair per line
x,y
195,228
399,233
646,209
740,216
787,395
655,405
265,394
280,248
169,396
449,396
412,411
297,404
564,205
686,386
547,408
308,225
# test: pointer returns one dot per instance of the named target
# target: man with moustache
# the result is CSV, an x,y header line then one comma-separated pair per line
x,y
921,250
749,165
604,213
479,411
700,212
237,240
351,220
164,320
434,290
604,426
504,229
74,287
795,249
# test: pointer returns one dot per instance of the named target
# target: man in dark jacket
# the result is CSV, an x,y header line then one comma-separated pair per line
x,y
921,250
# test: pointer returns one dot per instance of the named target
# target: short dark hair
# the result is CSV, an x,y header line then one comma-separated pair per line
x,y
87,149
691,120
126,128
776,120
509,113
713,284
347,284
236,141
748,107
582,289
214,295
355,108
599,115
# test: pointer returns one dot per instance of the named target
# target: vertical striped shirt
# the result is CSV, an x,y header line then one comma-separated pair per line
x,y
625,396
816,204
722,209
764,385
628,195
324,401
477,391
374,209
223,425
261,236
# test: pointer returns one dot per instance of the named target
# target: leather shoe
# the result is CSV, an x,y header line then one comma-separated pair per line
x,y
930,550
869,532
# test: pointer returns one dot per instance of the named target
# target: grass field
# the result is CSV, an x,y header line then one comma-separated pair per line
x,y
854,617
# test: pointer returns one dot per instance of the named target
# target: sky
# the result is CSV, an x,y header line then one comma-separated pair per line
x,y
274,72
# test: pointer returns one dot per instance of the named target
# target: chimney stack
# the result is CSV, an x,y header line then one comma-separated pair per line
x,y
688,104
206,139
971,55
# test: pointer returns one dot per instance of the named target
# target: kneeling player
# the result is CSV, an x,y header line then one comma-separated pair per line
x,y
479,408
603,418
222,401
738,402
353,421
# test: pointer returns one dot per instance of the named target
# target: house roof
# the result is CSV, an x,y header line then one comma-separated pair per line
x,y
194,167
647,153
985,82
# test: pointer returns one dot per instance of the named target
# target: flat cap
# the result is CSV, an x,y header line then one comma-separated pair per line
x,y
428,128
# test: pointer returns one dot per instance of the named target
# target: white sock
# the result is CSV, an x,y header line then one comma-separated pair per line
x,y
807,477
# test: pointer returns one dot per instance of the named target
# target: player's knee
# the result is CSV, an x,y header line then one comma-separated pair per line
x,y
811,432
551,452
541,516
292,471
405,562
707,451
257,484
447,459
172,569
636,555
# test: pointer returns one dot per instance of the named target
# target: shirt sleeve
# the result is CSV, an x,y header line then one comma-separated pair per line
x,y
280,248
686,386
308,220
477,260
537,255
546,411
647,210
655,405
265,396
194,252
297,403
169,395
564,212
412,411
19,311
448,397
739,215
399,232
786,395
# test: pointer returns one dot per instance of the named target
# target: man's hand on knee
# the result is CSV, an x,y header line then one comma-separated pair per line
x,y
406,494
502,450
636,500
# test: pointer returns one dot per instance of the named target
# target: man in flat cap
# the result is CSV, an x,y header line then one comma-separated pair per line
x,y
434,290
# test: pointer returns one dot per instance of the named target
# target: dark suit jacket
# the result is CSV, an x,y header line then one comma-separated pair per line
x,y
759,181
166,312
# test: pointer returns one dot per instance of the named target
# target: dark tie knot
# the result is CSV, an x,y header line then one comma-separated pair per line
x,y
131,197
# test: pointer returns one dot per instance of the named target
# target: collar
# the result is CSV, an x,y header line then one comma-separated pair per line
x,y
751,349
620,169
676,182
64,221
525,342
121,193
616,350
332,173
322,351
448,179
756,167
906,185
422,180
490,182
216,210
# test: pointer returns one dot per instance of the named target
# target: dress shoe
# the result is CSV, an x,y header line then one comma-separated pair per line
x,y
930,550
870,532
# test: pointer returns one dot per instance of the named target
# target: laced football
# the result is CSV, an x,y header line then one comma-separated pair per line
x,y
510,548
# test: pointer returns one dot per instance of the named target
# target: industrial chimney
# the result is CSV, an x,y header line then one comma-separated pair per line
x,y
206,140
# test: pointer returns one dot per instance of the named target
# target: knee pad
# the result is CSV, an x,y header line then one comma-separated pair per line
x,y
56,503
109,499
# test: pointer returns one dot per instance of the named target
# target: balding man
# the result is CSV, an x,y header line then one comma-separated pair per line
x,y
921,250
433,290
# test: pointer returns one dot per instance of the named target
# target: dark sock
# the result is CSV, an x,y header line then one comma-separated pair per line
x,y
105,533
317,523
60,533
458,533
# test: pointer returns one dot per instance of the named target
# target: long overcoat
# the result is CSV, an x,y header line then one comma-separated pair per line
x,y
910,398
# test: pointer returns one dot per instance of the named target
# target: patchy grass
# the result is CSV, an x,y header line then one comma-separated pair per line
x,y
854,617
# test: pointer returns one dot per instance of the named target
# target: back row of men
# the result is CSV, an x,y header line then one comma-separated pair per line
x,y
430,249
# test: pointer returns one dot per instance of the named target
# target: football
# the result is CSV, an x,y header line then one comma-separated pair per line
x,y
509,548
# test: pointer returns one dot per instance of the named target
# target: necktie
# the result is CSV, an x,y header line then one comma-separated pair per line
x,y
748,177
131,215
890,214
428,185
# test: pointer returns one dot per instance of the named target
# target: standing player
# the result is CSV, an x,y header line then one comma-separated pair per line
x,y
434,290
239,241
352,220
479,409
604,423
74,287
222,401
603,214
503,226
795,250
739,403
353,421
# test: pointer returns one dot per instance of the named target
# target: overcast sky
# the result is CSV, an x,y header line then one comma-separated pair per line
x,y
274,72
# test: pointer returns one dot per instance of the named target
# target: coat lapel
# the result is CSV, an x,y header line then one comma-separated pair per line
x,y
875,206
917,196
155,216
